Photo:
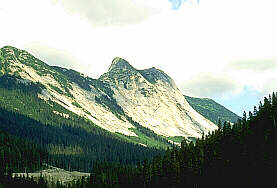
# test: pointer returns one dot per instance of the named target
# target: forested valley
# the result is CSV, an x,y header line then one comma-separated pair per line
x,y
238,155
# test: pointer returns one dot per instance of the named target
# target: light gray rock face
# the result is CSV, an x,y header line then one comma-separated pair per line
x,y
153,100
120,64
119,101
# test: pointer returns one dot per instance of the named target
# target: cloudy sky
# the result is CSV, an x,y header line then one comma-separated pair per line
x,y
221,49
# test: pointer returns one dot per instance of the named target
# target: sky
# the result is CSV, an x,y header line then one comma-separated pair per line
x,y
220,49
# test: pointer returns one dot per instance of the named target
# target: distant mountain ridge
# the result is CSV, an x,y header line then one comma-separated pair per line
x,y
212,110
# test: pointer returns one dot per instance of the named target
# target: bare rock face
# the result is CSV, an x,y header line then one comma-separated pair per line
x,y
121,100
120,64
153,100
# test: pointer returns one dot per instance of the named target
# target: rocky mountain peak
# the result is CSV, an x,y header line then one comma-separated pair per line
x,y
10,50
7,48
120,71
120,63
153,75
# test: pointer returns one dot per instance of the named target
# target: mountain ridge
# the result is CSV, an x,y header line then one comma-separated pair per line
x,y
120,63
212,110
123,100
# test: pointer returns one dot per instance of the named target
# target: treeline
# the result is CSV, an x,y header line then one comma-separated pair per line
x,y
8,181
18,155
238,155
73,142
73,148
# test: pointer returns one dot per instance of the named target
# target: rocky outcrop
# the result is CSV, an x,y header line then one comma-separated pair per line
x,y
153,100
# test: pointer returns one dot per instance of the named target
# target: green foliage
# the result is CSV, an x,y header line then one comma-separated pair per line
x,y
17,155
56,89
241,155
67,139
147,136
19,182
42,69
212,110
178,139
76,104
149,141
13,83
65,135
110,104
66,78
2,62
85,82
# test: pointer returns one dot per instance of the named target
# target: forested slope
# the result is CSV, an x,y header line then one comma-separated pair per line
x,y
18,155
72,142
212,110
242,155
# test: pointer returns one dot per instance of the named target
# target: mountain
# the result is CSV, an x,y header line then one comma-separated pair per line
x,y
152,99
125,116
50,107
212,110
73,141
126,101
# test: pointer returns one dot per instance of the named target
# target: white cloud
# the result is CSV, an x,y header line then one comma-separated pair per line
x,y
210,84
257,65
107,12
184,43
53,55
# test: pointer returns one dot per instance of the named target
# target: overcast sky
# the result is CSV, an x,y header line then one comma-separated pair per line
x,y
221,49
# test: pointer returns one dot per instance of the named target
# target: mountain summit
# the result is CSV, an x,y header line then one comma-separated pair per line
x,y
151,98
119,63
124,100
